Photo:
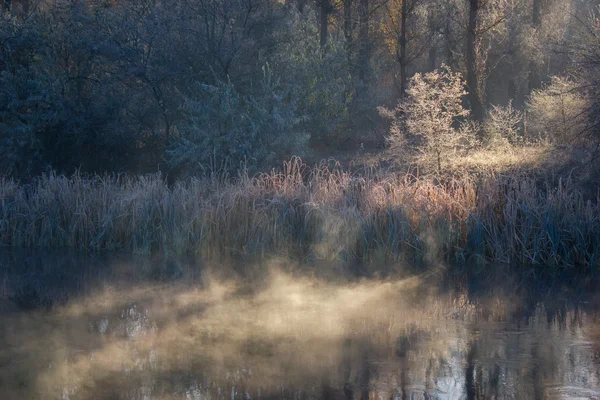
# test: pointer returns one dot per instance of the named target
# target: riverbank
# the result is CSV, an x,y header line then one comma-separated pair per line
x,y
319,213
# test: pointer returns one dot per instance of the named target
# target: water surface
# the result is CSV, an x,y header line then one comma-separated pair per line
x,y
88,330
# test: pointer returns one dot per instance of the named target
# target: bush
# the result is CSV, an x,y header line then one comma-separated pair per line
x,y
557,112
432,112
504,123
225,128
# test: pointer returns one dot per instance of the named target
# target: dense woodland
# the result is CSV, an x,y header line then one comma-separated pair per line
x,y
186,86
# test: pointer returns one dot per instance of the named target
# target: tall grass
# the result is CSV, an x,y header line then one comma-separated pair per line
x,y
318,213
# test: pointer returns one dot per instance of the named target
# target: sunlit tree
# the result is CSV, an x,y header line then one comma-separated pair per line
x,y
431,113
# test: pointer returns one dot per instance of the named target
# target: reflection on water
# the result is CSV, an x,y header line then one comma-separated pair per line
x,y
295,337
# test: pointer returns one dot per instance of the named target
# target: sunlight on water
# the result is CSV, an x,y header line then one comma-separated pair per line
x,y
297,337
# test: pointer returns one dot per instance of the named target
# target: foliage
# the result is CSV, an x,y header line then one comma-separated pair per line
x,y
318,77
70,97
100,88
504,123
223,126
557,112
107,86
432,112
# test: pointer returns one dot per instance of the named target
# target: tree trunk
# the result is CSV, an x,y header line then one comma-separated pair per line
x,y
324,10
348,20
535,80
348,31
161,103
449,50
537,13
432,59
364,50
403,60
472,78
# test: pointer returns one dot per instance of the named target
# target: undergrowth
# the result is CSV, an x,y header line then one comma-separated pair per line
x,y
309,213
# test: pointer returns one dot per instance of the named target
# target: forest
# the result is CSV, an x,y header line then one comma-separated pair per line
x,y
464,128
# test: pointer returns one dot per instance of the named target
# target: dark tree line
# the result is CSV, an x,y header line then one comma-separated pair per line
x,y
183,85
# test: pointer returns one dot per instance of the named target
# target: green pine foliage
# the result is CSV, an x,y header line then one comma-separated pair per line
x,y
223,127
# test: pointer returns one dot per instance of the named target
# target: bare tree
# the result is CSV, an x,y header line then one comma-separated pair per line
x,y
364,51
407,33
471,60
535,80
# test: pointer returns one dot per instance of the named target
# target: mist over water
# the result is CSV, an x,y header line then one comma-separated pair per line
x,y
285,332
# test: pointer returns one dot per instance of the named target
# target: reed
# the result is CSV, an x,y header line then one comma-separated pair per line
x,y
309,213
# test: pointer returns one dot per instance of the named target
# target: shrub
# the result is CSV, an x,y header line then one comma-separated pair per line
x,y
432,112
504,123
557,112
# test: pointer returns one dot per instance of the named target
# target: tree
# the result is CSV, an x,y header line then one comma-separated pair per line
x,y
535,81
586,47
558,111
100,85
407,34
226,127
348,25
364,51
472,76
325,8
487,26
431,112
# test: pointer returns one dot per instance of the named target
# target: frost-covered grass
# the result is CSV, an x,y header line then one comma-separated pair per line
x,y
309,213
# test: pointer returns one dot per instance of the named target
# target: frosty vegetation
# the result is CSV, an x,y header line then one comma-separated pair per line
x,y
185,87
432,114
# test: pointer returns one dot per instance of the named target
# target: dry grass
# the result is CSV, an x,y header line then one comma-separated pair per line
x,y
503,159
498,158
319,213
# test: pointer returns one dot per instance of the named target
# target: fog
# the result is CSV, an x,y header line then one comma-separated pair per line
x,y
293,334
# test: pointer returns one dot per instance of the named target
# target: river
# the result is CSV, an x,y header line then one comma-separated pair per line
x,y
73,328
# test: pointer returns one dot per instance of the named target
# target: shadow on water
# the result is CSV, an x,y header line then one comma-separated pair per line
x,y
33,279
110,327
